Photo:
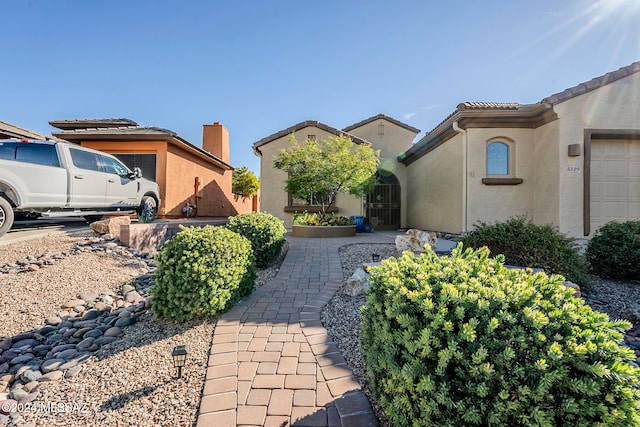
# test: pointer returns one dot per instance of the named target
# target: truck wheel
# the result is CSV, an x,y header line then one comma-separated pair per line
x,y
6,216
148,209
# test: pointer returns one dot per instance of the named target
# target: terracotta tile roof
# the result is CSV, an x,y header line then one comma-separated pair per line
x,y
593,84
382,116
480,115
127,132
302,125
488,106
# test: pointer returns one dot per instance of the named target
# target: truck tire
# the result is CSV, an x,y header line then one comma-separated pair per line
x,y
148,209
6,216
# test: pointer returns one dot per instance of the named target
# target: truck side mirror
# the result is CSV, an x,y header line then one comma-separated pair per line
x,y
137,173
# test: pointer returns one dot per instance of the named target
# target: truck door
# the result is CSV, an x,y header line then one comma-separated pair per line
x,y
121,190
45,182
88,180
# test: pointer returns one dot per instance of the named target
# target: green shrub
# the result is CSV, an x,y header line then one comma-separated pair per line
x,y
264,231
307,218
526,244
202,272
462,340
614,251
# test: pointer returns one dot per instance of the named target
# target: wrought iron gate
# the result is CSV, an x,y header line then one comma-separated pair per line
x,y
382,206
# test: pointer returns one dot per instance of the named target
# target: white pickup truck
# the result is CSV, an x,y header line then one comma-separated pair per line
x,y
49,179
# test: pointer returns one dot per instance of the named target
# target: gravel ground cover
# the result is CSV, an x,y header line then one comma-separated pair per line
x,y
128,381
341,316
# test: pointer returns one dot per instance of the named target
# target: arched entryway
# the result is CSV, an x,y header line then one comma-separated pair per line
x,y
382,205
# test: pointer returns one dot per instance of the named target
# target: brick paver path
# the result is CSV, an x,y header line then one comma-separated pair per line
x,y
272,362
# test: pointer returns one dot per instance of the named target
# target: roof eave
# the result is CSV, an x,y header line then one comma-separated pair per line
x,y
160,136
70,124
593,84
528,116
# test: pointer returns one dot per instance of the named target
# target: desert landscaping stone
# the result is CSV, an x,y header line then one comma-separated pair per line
x,y
30,375
113,331
74,303
87,313
51,365
18,393
19,360
73,371
30,397
51,376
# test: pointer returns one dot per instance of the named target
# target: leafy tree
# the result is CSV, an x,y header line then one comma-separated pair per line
x,y
319,170
244,183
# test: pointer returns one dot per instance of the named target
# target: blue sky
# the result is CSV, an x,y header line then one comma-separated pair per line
x,y
261,66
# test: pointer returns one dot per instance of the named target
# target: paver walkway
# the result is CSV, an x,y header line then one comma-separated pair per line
x,y
272,362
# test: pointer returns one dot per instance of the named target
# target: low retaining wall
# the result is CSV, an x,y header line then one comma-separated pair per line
x,y
323,231
151,237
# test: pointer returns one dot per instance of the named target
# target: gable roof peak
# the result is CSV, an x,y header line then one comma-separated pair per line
x,y
384,117
302,125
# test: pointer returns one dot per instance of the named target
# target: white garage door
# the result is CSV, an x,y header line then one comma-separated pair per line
x,y
615,181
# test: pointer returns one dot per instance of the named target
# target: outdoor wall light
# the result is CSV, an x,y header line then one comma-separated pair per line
x,y
375,257
179,355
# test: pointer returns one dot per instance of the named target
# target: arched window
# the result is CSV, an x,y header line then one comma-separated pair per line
x,y
499,159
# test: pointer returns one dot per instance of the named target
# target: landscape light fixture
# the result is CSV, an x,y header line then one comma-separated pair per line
x,y
375,257
179,355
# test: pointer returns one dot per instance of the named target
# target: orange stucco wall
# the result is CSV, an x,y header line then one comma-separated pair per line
x,y
176,171
214,197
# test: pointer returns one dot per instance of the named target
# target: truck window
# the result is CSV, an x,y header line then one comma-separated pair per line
x,y
40,154
113,166
146,162
85,159
8,150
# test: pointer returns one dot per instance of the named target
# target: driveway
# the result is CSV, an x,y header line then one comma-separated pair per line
x,y
32,229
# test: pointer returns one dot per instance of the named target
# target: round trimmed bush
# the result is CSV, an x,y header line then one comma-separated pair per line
x,y
202,271
264,231
614,251
528,245
462,340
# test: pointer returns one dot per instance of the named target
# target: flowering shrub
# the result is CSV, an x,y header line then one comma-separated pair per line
x,y
307,218
464,341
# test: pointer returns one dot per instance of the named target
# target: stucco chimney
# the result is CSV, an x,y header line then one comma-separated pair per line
x,y
215,140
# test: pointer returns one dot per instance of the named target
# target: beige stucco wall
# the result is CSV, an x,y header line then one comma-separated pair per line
x,y
497,203
273,198
546,171
434,189
614,106
394,141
